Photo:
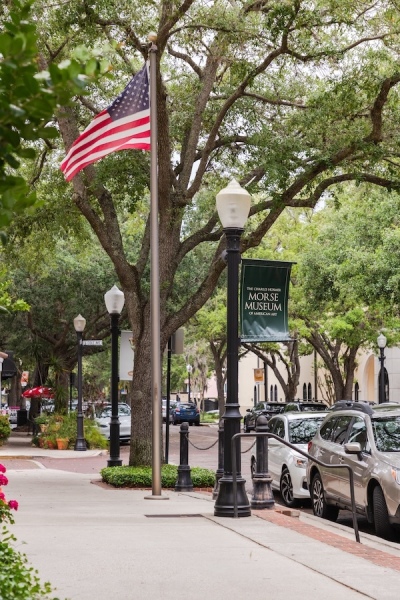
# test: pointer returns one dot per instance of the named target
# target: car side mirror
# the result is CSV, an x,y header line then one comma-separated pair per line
x,y
248,409
353,448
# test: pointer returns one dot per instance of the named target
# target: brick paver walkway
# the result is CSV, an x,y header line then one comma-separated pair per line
x,y
377,557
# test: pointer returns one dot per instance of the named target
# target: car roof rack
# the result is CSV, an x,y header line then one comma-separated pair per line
x,y
350,405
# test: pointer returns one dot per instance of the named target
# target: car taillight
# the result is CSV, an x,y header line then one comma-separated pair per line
x,y
309,446
197,409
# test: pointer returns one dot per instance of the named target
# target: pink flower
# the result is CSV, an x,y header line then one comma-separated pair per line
x,y
13,504
2,469
2,496
3,479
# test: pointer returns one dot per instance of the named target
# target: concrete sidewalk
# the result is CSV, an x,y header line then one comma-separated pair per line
x,y
19,445
93,542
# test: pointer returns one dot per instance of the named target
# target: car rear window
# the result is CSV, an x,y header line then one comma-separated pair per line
x,y
301,431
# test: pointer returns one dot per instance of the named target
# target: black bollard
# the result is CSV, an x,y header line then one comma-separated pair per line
x,y
262,491
220,471
184,481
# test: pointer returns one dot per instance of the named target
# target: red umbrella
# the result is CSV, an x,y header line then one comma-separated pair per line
x,y
39,392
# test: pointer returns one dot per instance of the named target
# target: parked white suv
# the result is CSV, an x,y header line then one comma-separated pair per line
x,y
287,467
367,439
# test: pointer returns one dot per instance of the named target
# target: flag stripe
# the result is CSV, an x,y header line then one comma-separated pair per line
x,y
116,140
129,145
125,124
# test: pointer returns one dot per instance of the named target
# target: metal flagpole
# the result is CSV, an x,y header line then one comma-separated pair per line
x,y
154,282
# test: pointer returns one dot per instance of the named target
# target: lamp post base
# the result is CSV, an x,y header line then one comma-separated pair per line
x,y
114,462
263,496
80,444
224,505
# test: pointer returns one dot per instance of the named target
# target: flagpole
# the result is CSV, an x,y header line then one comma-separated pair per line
x,y
154,282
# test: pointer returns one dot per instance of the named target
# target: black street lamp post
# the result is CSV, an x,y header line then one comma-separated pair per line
x,y
381,344
115,301
80,444
233,205
189,369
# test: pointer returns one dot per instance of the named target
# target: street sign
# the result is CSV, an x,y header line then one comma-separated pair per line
x,y
92,343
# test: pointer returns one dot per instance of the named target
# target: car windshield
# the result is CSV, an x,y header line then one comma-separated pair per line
x,y
187,406
301,431
273,408
387,434
122,412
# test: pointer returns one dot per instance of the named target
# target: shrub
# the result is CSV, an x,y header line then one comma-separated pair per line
x,y
94,437
140,477
5,429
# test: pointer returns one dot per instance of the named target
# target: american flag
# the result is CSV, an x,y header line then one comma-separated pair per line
x,y
124,124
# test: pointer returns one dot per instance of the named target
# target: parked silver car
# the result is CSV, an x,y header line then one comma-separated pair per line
x,y
287,467
124,415
367,439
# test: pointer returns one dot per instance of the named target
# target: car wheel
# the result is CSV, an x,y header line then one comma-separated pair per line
x,y
320,507
286,489
245,428
253,466
382,524
197,423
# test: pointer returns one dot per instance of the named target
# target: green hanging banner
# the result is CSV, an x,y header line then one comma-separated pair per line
x,y
264,300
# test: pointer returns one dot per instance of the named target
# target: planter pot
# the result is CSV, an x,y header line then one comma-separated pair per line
x,y
62,443
51,445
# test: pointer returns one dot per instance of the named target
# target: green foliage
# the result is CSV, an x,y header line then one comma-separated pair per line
x,y
207,418
65,426
18,580
138,477
8,301
28,99
94,437
5,429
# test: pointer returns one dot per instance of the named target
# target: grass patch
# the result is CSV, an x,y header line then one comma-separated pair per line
x,y
139,477
207,418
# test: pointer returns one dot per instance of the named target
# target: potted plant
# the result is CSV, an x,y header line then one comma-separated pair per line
x,y
42,421
50,442
62,443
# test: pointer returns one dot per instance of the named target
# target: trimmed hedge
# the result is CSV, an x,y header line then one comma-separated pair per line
x,y
140,477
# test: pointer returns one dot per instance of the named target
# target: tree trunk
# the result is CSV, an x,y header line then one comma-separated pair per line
x,y
141,403
61,392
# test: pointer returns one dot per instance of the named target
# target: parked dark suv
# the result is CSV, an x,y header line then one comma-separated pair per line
x,y
185,412
367,439
268,409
